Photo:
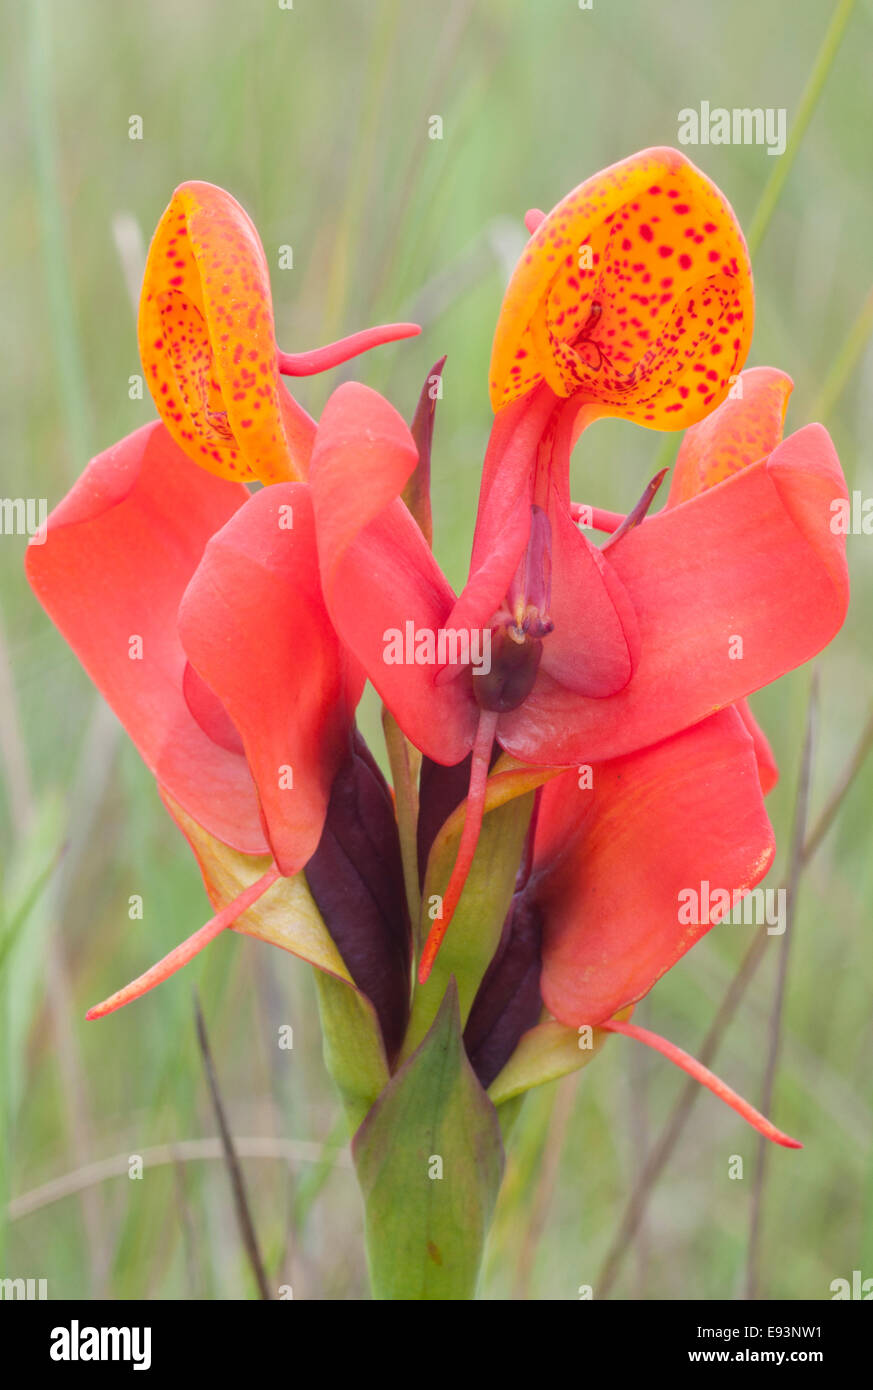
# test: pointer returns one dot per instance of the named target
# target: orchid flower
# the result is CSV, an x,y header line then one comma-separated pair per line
x,y
195,606
596,917
196,609
601,651
232,630
633,298
753,557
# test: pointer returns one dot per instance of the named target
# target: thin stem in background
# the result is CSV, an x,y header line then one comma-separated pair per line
x,y
670,1134
838,795
240,1199
772,191
361,170
824,61
657,1159
288,1151
13,750
437,73
638,1089
845,362
271,1012
795,864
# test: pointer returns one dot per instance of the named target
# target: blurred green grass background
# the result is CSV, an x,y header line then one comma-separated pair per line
x,y
316,118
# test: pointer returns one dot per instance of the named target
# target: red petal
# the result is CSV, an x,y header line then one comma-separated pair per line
x,y
742,430
119,552
377,571
255,628
614,859
505,497
768,768
593,647
595,643
754,558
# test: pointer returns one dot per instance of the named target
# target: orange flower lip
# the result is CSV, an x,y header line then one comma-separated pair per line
x,y
207,340
208,344
635,291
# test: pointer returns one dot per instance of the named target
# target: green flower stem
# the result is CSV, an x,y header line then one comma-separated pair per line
x,y
809,100
474,932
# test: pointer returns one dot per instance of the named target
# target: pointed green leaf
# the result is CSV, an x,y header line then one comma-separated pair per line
x,y
430,1160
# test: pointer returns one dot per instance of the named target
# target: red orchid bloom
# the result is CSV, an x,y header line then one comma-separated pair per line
x,y
743,549
613,858
633,298
195,606
121,550
597,652
197,610
753,557
613,852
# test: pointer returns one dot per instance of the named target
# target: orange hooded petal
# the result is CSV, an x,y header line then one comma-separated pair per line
x,y
208,346
635,290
